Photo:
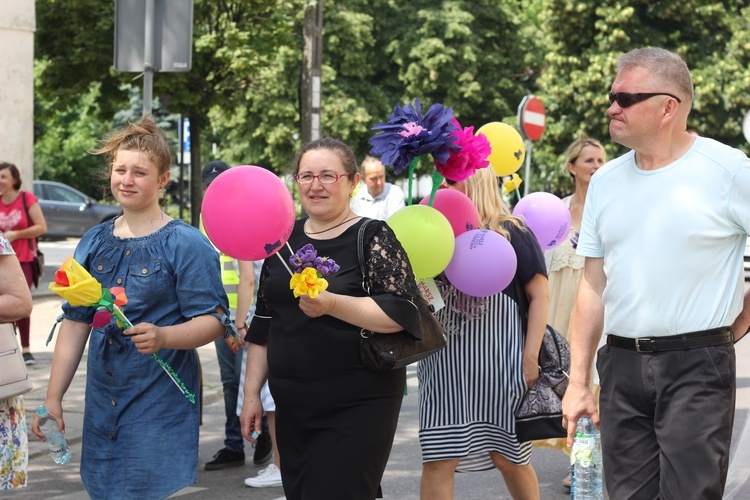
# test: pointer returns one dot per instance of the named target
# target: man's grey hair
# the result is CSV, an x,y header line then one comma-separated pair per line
x,y
664,66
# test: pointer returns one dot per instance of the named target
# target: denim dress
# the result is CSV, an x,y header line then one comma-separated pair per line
x,y
140,433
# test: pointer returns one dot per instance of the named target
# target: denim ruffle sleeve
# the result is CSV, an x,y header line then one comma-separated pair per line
x,y
197,273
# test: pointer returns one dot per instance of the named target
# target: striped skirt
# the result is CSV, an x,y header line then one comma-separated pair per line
x,y
469,392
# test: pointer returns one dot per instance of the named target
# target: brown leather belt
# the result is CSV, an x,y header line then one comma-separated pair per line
x,y
706,338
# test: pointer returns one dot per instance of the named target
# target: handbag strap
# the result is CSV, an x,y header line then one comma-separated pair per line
x,y
28,219
361,254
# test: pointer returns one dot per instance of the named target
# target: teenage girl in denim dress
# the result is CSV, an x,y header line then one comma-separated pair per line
x,y
140,433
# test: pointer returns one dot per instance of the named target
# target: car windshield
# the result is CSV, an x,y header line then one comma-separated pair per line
x,y
59,193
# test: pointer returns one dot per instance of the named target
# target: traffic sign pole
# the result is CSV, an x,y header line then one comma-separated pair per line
x,y
528,167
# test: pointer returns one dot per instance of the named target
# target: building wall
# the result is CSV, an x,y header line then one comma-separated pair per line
x,y
17,26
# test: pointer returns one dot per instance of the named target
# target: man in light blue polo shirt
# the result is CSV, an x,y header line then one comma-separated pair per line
x,y
663,233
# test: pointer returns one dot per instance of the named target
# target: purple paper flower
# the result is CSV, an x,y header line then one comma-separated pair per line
x,y
326,266
304,257
408,134
307,256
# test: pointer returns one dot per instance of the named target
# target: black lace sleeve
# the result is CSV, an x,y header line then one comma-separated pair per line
x,y
391,278
260,325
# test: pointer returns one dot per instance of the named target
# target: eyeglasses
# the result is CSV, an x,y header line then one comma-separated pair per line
x,y
626,99
324,178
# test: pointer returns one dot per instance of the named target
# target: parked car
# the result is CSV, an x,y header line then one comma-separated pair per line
x,y
69,212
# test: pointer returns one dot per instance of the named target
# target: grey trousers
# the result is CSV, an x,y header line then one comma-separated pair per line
x,y
666,422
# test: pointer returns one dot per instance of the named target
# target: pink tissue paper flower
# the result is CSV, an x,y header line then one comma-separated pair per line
x,y
475,149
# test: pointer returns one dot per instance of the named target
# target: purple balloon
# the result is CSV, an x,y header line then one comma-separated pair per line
x,y
483,263
547,217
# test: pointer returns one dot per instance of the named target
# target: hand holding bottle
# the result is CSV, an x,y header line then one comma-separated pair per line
x,y
46,425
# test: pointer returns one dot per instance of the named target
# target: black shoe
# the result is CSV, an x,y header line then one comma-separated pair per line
x,y
225,459
28,358
263,449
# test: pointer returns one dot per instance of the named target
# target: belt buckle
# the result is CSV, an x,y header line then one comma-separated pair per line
x,y
643,339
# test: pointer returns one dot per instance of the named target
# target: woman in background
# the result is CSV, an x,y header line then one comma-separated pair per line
x,y
21,221
583,158
15,302
470,391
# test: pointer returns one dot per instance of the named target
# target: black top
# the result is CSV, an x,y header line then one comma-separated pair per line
x,y
300,346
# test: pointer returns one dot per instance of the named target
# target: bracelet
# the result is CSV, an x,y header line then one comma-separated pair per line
x,y
245,327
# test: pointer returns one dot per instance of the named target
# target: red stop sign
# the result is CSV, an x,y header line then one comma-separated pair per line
x,y
531,118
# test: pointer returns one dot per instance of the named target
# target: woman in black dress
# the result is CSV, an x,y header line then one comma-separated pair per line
x,y
330,408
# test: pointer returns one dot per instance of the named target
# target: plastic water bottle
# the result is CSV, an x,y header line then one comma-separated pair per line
x,y
56,442
586,462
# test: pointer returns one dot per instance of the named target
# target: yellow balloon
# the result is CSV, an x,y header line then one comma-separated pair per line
x,y
427,237
507,146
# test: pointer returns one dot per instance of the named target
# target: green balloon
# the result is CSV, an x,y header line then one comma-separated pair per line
x,y
427,237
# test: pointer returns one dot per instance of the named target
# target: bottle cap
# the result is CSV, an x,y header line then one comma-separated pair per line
x,y
41,410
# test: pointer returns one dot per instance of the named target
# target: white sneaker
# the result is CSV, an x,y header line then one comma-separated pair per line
x,y
267,478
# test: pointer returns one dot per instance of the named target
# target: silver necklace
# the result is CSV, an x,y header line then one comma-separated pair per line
x,y
330,228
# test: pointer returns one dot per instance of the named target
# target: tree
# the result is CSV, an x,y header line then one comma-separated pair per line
x,y
231,41
587,37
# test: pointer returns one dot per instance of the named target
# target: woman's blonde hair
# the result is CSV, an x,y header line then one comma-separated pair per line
x,y
483,190
575,148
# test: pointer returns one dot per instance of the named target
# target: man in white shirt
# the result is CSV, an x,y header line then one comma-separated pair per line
x,y
663,233
376,198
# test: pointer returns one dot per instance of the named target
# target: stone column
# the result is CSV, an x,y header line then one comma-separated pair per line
x,y
17,26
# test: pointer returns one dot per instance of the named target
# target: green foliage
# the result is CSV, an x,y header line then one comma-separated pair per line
x,y
586,37
63,142
478,57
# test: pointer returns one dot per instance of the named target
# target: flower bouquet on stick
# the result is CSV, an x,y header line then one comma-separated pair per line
x,y
308,277
74,283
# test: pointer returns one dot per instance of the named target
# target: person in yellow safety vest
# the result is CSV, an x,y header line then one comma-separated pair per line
x,y
239,285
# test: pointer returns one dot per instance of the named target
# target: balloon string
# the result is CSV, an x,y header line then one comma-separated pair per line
x,y
412,166
284,262
164,365
437,179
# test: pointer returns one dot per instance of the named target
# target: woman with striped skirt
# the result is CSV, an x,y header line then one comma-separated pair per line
x,y
469,392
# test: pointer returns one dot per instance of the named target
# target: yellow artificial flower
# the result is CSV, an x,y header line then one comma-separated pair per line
x,y
307,282
513,184
76,285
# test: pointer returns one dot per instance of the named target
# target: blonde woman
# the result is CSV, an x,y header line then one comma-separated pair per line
x,y
583,158
469,392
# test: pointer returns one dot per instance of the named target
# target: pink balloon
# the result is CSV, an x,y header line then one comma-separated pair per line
x,y
547,217
248,212
457,208
483,263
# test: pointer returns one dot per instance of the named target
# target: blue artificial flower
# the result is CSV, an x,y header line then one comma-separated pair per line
x,y
408,134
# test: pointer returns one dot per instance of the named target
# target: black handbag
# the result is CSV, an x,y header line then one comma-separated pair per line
x,y
37,269
382,352
540,413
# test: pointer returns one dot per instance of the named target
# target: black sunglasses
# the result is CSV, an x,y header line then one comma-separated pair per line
x,y
626,99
